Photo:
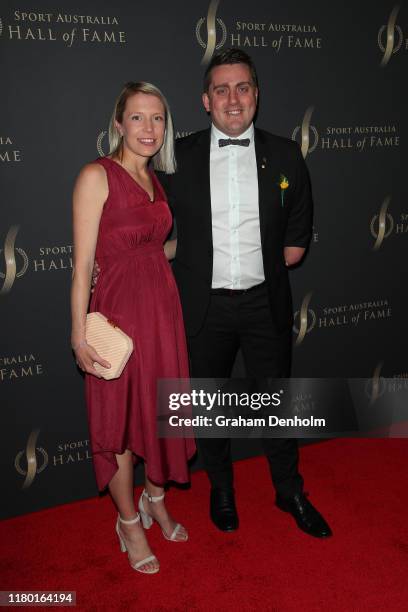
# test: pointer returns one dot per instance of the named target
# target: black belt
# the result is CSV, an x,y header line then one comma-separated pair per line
x,y
233,292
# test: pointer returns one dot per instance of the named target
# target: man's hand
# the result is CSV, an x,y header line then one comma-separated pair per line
x,y
170,248
293,255
95,273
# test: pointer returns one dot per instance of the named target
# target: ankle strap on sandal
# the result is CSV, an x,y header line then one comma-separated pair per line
x,y
151,498
131,522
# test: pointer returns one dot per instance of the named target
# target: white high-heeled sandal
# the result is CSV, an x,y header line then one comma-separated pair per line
x,y
147,520
123,547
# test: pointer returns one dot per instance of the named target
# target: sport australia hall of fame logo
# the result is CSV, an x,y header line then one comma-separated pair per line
x,y
31,461
393,35
15,261
100,143
375,387
304,320
215,30
309,136
382,224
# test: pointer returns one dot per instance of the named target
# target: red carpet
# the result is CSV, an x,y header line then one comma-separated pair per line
x,y
360,486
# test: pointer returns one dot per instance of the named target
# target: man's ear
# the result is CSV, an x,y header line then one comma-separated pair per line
x,y
206,101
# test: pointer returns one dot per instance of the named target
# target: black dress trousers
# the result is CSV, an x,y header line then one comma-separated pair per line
x,y
244,321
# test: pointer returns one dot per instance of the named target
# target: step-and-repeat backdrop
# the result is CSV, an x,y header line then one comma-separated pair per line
x,y
332,76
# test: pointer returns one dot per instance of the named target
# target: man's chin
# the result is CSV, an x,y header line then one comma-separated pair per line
x,y
236,129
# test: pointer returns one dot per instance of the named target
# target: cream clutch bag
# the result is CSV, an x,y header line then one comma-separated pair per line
x,y
110,342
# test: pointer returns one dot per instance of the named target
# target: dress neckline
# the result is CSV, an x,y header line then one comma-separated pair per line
x,y
135,182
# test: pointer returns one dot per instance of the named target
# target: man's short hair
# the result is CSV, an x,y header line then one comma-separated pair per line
x,y
229,56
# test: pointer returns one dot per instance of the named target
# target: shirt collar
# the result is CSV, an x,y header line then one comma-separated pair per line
x,y
216,134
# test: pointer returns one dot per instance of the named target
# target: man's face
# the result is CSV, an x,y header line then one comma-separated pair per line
x,y
231,98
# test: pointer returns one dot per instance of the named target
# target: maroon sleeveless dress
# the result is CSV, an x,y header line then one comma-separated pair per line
x,y
136,289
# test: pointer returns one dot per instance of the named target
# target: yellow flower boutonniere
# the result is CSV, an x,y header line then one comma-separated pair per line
x,y
284,184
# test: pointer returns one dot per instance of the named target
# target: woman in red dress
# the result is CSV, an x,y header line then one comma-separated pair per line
x,y
121,219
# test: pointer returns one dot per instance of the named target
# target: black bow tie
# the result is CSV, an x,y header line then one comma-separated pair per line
x,y
225,142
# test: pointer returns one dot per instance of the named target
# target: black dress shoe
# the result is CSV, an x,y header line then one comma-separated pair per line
x,y
223,512
308,519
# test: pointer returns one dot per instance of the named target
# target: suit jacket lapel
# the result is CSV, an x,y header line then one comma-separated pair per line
x,y
263,162
203,185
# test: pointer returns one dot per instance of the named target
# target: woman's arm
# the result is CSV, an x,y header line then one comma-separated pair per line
x,y
90,193
170,248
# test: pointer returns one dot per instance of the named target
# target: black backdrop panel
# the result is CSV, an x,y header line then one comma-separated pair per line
x,y
332,76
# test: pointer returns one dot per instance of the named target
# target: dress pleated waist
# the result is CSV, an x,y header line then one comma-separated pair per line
x,y
140,250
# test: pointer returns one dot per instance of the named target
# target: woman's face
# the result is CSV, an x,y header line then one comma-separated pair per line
x,y
143,124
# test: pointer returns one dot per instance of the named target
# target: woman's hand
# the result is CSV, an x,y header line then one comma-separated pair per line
x,y
86,356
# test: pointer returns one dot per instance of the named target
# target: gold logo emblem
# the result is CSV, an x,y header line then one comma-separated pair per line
x,y
307,319
306,129
376,386
212,22
34,466
11,271
380,230
391,46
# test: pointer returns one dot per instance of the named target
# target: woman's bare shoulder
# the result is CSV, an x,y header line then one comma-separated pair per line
x,y
93,172
91,184
92,176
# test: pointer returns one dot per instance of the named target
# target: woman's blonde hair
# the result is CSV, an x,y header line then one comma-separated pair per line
x,y
164,160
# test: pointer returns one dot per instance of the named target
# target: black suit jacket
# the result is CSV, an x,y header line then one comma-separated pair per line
x,y
188,192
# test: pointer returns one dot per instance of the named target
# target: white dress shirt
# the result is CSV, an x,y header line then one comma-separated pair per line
x,y
237,262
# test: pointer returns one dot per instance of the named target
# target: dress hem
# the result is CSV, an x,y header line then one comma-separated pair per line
x,y
137,457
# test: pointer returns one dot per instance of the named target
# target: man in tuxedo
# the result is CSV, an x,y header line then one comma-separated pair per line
x,y
242,202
